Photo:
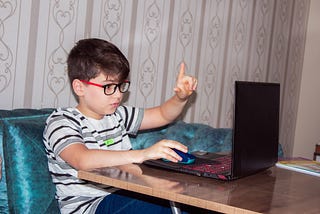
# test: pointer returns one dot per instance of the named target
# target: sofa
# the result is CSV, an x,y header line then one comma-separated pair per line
x,y
26,185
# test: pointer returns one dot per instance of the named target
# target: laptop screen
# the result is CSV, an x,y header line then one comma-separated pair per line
x,y
256,127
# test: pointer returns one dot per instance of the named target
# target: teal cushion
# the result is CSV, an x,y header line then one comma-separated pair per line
x,y
198,137
29,185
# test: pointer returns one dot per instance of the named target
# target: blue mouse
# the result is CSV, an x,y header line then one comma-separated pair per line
x,y
187,158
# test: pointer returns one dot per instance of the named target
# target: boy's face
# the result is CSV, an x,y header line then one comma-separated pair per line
x,y
93,102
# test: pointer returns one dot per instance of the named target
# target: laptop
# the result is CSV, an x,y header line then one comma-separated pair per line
x,y
255,137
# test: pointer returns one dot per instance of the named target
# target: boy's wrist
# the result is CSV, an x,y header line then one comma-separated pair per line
x,y
182,100
139,156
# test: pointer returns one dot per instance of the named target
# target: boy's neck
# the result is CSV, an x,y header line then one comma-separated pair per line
x,y
89,114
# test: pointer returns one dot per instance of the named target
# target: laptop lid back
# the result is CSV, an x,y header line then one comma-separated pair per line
x,y
256,127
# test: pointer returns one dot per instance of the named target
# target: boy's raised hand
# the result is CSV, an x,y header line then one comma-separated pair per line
x,y
185,85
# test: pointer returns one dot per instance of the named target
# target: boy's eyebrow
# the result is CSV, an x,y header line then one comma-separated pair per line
x,y
110,81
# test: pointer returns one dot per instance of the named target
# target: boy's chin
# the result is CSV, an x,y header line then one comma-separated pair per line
x,y
111,111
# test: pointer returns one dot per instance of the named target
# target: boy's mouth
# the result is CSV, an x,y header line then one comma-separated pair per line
x,y
115,105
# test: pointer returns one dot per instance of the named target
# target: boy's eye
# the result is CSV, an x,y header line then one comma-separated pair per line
x,y
110,87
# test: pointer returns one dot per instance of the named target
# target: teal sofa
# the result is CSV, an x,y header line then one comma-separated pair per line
x,y
26,185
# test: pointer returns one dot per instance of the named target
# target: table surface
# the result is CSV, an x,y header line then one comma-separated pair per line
x,y
271,191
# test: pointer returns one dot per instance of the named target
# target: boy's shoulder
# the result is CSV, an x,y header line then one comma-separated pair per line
x,y
65,111
125,109
65,114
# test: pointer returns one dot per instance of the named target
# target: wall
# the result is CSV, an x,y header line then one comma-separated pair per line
x,y
220,42
308,121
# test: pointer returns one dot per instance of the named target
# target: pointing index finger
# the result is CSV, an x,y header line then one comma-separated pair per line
x,y
182,71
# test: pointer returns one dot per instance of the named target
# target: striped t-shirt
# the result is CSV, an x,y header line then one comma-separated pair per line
x,y
66,126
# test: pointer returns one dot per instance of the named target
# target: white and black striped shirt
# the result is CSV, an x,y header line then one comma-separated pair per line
x,y
66,126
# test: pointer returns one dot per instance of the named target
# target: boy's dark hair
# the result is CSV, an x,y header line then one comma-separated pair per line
x,y
89,57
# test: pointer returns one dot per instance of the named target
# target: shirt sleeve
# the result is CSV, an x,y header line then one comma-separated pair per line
x,y
132,118
62,130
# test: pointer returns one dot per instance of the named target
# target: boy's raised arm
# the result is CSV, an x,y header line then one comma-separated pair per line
x,y
172,108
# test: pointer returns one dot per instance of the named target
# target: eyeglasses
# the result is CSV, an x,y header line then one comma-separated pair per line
x,y
111,88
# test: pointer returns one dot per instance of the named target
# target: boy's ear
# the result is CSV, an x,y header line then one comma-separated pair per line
x,y
77,87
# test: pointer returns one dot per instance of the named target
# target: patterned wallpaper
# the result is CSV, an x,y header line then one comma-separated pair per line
x,y
220,41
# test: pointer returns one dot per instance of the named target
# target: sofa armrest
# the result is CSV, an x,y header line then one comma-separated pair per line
x,y
28,183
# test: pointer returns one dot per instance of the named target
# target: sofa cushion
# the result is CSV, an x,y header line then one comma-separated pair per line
x,y
29,185
198,137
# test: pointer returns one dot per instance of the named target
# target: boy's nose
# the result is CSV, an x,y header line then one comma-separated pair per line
x,y
117,93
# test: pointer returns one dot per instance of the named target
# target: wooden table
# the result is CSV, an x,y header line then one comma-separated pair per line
x,y
272,191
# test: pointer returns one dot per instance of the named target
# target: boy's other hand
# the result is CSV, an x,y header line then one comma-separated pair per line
x,y
185,85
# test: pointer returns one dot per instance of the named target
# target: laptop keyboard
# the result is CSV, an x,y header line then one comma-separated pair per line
x,y
222,164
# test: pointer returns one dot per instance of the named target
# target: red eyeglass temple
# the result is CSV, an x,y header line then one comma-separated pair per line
x,y
91,83
95,84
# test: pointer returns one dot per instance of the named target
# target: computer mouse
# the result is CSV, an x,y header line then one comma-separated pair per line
x,y
187,158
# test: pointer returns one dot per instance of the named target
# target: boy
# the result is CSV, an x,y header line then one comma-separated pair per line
x,y
95,133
